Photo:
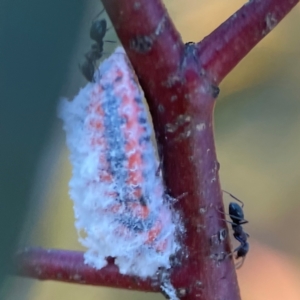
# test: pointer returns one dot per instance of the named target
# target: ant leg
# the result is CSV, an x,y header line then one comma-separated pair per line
x,y
240,263
243,221
222,212
230,222
234,198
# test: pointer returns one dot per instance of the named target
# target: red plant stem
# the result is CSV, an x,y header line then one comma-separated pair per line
x,y
226,46
179,84
68,266
181,102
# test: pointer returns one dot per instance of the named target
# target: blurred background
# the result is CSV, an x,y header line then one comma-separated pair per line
x,y
257,125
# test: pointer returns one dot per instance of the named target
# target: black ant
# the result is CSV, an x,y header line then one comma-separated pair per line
x,y
97,33
237,216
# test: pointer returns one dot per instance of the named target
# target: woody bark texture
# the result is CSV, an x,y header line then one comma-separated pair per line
x,y
181,99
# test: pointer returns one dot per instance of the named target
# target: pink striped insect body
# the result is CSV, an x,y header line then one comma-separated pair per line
x,y
119,199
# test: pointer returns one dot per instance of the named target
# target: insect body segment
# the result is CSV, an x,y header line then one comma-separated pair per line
x,y
97,33
236,214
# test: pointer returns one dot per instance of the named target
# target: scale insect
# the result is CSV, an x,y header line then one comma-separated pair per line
x,y
236,214
120,203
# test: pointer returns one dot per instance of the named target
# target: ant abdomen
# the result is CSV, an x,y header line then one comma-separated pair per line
x,y
242,251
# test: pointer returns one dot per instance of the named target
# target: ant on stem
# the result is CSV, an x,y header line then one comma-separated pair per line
x,y
236,214
97,33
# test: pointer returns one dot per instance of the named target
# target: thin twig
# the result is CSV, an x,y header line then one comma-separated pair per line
x,y
69,266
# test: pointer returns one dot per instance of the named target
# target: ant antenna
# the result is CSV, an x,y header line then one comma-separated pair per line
x,y
234,198
239,264
98,15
